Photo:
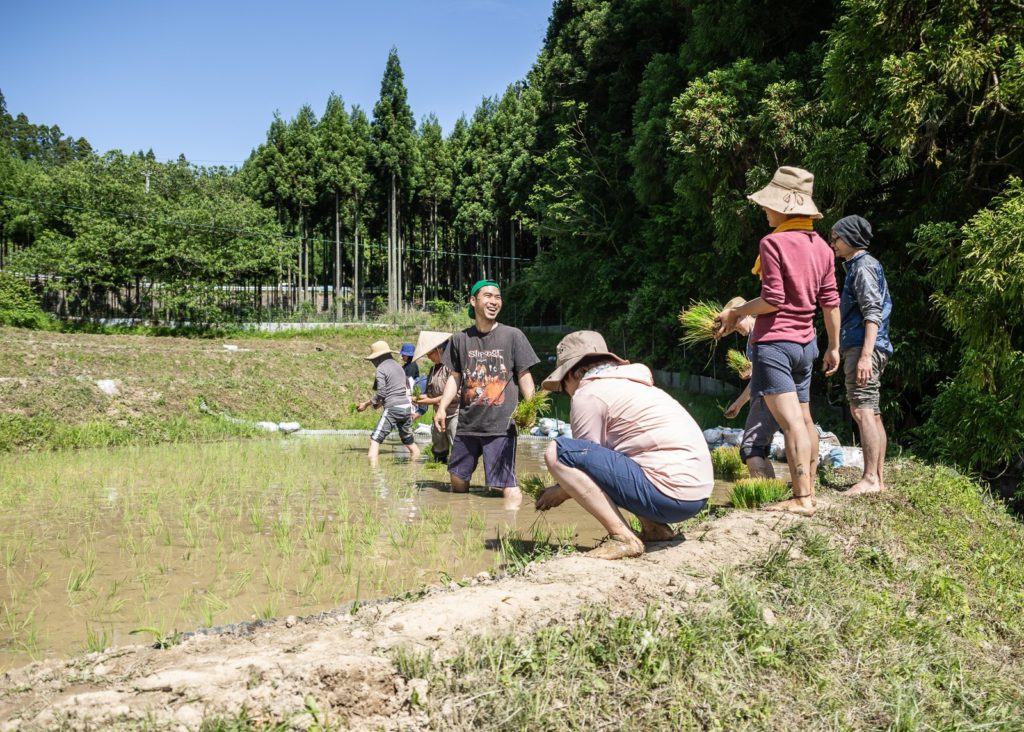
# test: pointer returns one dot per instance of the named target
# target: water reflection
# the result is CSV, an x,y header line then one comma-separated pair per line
x,y
96,543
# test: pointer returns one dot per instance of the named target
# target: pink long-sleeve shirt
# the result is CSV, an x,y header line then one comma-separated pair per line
x,y
621,409
797,275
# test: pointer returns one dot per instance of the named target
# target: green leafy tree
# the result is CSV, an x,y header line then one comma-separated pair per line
x,y
394,143
978,275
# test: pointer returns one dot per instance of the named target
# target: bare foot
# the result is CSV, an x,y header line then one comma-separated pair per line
x,y
652,531
863,486
617,547
803,506
513,498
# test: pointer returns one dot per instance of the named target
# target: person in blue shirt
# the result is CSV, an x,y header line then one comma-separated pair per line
x,y
865,309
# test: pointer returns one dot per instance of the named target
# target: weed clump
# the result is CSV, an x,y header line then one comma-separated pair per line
x,y
840,477
727,463
755,492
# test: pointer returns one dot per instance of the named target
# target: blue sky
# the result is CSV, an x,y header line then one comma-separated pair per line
x,y
204,78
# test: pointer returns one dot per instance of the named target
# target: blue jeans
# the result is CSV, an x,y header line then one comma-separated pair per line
x,y
624,481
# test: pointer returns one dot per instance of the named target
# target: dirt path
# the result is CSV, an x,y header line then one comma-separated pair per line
x,y
342,660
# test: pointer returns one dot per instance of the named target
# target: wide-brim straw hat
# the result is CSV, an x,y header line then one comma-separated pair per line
x,y
789,193
571,350
428,341
378,349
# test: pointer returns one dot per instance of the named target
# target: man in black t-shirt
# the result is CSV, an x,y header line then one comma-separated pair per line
x,y
491,362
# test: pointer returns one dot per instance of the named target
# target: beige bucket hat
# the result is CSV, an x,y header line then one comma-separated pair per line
x,y
378,349
429,340
571,350
789,192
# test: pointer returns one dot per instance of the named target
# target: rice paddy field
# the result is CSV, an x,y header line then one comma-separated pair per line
x,y
124,545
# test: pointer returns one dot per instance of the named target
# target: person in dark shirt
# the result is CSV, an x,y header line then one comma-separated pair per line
x,y
491,362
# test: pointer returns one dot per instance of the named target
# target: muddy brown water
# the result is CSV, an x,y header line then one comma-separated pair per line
x,y
97,544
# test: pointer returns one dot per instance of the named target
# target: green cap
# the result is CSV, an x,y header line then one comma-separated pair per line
x,y
481,284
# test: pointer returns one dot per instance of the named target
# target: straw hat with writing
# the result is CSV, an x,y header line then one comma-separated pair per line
x,y
789,193
428,341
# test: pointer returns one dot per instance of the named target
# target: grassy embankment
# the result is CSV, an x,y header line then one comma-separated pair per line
x,y
903,611
49,397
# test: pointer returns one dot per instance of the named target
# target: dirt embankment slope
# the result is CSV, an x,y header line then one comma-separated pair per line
x,y
343,661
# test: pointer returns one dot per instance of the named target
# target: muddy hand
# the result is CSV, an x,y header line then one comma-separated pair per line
x,y
551,497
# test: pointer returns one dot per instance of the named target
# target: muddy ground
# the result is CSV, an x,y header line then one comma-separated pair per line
x,y
342,659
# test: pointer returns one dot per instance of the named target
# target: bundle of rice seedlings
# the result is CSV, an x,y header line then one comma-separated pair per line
x,y
755,492
727,463
528,410
698,322
738,362
533,485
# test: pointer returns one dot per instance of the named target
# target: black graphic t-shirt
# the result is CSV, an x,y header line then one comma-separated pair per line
x,y
489,364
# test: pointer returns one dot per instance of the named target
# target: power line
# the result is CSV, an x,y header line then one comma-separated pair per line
x,y
212,228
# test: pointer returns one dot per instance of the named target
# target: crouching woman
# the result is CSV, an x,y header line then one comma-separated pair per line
x,y
633,447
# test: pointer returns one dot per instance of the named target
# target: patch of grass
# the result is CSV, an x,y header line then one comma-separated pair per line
x,y
727,463
755,492
839,478
411,663
913,620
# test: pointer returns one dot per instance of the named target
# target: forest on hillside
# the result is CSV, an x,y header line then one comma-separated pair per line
x,y
606,189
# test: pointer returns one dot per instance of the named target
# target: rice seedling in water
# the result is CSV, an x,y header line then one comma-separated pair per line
x,y
755,492
161,638
79,580
727,463
698,322
96,641
738,362
40,580
438,519
565,535
475,521
10,554
210,607
258,513
268,610
528,410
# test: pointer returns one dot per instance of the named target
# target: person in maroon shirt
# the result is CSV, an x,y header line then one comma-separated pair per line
x,y
797,276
